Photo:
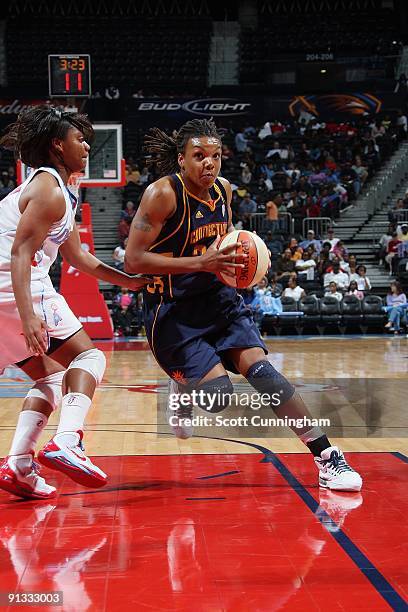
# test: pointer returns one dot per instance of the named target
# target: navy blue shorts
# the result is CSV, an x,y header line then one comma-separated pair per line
x,y
189,337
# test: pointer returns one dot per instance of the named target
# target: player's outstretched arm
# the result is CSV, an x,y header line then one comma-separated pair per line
x,y
159,204
83,261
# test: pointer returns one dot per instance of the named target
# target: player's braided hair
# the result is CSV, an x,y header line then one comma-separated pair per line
x,y
164,149
30,137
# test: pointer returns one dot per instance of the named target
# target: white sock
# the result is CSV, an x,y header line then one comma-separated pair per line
x,y
74,409
29,427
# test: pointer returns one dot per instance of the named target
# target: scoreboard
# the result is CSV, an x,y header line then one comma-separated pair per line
x,y
69,75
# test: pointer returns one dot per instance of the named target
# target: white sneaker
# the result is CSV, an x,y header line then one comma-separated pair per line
x,y
19,475
335,473
179,419
65,453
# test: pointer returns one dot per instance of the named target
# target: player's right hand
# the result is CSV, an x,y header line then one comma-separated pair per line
x,y
222,260
35,334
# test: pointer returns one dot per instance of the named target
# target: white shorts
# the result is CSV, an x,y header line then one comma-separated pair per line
x,y
61,321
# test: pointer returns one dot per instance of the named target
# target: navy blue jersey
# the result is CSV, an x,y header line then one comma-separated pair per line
x,y
188,233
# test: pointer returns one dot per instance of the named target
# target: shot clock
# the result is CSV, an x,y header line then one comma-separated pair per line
x,y
69,75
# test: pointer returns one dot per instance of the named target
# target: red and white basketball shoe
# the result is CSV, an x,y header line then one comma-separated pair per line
x,y
19,475
65,453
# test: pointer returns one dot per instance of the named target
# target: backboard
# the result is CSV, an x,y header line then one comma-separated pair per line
x,y
105,166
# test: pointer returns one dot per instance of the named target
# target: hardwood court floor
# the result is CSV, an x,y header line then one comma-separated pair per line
x,y
361,380
217,525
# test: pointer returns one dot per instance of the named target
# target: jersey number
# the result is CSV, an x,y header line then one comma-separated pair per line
x,y
157,284
199,249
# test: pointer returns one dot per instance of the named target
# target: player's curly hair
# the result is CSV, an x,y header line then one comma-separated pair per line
x,y
31,136
164,149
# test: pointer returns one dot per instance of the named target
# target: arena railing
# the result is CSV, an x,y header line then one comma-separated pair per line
x,y
258,223
319,225
387,180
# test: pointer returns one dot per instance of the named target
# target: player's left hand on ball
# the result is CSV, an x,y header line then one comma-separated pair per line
x,y
137,282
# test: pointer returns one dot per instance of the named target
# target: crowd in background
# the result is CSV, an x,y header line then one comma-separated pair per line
x,y
307,168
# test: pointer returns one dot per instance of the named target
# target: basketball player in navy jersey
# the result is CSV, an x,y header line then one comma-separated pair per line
x,y
197,327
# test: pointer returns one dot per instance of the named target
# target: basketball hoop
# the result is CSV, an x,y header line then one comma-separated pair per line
x,y
74,183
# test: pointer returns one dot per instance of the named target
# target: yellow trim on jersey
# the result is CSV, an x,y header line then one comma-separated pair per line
x,y
153,329
218,190
187,203
177,228
211,204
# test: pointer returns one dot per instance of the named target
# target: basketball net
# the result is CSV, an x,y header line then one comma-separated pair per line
x,y
74,183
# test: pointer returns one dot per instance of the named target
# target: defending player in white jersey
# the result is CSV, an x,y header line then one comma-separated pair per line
x,y
36,221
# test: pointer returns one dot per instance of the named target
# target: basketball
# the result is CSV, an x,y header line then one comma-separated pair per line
x,y
256,264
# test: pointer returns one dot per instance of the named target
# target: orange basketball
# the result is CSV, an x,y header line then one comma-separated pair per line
x,y
256,265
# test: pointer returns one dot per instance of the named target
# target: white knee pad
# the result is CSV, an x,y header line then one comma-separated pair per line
x,y
48,389
92,361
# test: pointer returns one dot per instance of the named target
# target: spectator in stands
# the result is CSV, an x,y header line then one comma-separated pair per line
x,y
397,214
338,276
312,207
118,255
311,240
324,259
384,242
402,232
353,290
241,143
267,299
306,266
349,180
339,250
402,124
392,250
268,170
285,266
122,315
303,185
246,208
132,174
126,218
246,174
6,184
396,306
331,238
227,153
333,292
275,288
371,155
295,249
274,244
276,152
293,290
349,265
361,278
362,174
272,212
144,177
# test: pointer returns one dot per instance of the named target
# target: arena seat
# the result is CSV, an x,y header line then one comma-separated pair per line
x,y
330,313
374,316
351,311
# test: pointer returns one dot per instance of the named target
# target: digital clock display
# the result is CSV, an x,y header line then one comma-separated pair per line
x,y
69,75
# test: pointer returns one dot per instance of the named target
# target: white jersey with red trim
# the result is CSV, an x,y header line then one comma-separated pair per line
x,y
59,231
